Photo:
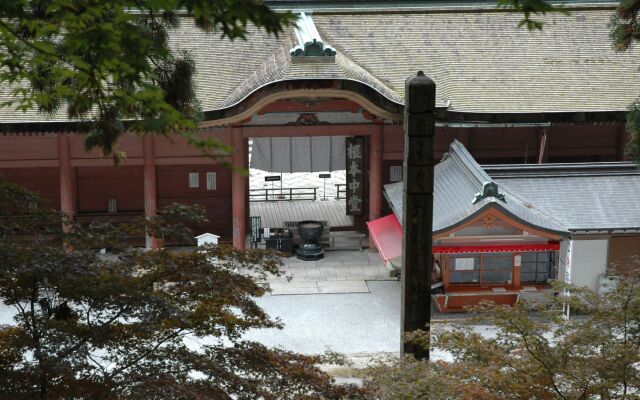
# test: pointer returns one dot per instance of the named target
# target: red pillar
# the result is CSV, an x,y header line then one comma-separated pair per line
x,y
150,185
67,178
238,188
375,176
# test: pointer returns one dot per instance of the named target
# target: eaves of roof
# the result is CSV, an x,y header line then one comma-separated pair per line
x,y
351,6
487,70
585,169
457,180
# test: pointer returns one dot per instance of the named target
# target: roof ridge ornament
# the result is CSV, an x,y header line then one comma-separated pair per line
x,y
310,46
489,189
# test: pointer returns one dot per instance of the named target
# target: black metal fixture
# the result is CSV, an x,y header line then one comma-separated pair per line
x,y
310,232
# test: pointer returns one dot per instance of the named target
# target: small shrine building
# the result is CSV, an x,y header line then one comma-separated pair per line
x,y
502,232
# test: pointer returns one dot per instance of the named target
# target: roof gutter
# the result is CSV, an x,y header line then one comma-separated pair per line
x,y
374,6
600,231
493,124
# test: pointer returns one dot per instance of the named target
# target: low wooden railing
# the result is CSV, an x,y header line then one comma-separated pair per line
x,y
283,194
341,191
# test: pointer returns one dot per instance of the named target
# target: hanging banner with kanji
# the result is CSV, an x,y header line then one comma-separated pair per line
x,y
355,162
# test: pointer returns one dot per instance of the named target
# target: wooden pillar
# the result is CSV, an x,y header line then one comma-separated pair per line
x,y
67,178
150,186
446,271
375,176
238,188
247,203
543,152
621,141
417,215
517,270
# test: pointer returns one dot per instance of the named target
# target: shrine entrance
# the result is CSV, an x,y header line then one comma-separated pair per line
x,y
294,179
324,172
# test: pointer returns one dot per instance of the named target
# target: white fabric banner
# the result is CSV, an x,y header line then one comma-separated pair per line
x,y
298,154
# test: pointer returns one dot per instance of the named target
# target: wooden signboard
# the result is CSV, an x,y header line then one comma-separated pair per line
x,y
355,163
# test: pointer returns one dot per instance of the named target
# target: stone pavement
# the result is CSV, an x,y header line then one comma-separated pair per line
x,y
338,272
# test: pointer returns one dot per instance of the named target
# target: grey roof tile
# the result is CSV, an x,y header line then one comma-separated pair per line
x,y
457,179
480,60
554,197
605,202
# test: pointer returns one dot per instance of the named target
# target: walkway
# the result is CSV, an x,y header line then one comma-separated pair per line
x,y
338,272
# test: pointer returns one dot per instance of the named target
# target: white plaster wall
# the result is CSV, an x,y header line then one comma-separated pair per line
x,y
589,262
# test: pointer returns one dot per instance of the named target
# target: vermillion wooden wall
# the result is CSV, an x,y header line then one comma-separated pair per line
x,y
31,160
96,185
45,181
173,187
565,143
624,252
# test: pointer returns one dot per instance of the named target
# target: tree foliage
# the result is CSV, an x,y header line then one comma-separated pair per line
x,y
133,324
105,62
530,9
532,355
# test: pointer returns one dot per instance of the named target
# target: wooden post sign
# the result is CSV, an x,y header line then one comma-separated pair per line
x,y
355,162
417,216
256,229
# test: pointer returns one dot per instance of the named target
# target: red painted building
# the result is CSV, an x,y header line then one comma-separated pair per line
x,y
508,95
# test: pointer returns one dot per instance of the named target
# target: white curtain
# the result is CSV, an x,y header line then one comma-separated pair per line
x,y
298,154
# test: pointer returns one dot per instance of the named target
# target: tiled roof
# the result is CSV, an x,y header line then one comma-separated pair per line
x,y
457,180
278,67
585,198
554,197
480,60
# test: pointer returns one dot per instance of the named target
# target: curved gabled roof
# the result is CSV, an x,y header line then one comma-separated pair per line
x,y
278,67
458,187
481,62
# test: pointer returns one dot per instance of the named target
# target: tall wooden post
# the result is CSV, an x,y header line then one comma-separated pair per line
x,y
67,179
417,216
375,176
150,186
238,189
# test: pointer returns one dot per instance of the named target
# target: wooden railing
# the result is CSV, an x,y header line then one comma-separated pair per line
x,y
283,194
341,191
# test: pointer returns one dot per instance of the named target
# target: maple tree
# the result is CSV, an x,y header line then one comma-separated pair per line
x,y
109,65
530,351
135,324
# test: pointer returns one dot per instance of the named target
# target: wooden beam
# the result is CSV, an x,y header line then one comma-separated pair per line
x,y
306,130
28,163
